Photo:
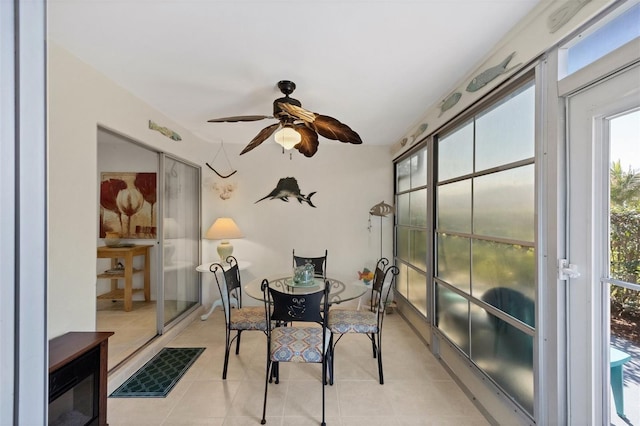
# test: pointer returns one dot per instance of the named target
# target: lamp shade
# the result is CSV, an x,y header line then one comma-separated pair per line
x,y
287,137
224,228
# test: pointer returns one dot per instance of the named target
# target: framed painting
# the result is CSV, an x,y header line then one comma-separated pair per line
x,y
128,204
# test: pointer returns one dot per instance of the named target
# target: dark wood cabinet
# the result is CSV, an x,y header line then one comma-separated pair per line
x,y
78,378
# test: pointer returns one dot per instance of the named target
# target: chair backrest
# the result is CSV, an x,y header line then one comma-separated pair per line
x,y
518,306
287,307
231,287
319,263
383,280
513,303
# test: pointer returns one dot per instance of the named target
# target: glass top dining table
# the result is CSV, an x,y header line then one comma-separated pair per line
x,y
340,290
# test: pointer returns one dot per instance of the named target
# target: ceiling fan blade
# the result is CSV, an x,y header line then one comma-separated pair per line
x,y
308,146
326,126
260,137
297,112
331,128
239,118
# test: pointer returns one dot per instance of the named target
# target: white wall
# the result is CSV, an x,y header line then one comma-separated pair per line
x,y
81,99
348,181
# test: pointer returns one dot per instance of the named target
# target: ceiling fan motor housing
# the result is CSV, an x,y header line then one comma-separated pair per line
x,y
277,111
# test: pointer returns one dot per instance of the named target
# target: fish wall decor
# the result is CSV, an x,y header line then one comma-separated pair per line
x,y
420,130
449,102
381,209
489,74
288,187
165,131
564,13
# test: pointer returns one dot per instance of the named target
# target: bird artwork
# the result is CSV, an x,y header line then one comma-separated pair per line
x,y
288,187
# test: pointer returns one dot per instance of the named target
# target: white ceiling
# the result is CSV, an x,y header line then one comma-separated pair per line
x,y
374,65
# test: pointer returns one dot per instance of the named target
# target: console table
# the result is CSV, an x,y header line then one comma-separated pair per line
x,y
126,254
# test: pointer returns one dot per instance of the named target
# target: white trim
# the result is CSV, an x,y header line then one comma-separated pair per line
x,y
7,212
588,244
30,400
609,64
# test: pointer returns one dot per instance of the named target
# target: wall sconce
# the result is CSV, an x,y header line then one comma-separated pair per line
x,y
224,228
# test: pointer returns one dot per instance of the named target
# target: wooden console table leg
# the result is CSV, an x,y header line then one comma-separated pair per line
x,y
147,276
114,282
128,281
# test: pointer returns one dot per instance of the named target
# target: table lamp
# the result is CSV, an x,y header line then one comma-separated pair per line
x,y
224,228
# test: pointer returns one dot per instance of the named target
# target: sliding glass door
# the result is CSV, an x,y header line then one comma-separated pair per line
x,y
181,246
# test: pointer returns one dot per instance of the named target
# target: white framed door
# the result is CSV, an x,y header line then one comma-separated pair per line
x,y
589,113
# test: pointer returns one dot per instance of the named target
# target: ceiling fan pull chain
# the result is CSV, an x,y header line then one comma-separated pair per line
x,y
228,162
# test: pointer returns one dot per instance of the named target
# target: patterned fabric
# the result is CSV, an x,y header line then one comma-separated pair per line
x,y
250,318
297,344
350,321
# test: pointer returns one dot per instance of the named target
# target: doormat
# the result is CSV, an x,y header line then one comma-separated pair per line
x,y
158,376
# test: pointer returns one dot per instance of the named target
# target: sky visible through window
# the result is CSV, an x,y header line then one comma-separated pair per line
x,y
609,37
625,141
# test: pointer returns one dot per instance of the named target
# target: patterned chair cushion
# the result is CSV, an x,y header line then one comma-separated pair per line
x,y
297,344
352,321
250,318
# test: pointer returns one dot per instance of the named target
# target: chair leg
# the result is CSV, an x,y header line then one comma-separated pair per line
x,y
373,344
324,381
238,342
275,372
331,365
380,374
266,387
226,358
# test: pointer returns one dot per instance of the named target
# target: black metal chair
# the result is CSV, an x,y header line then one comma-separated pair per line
x,y
307,343
367,321
240,319
319,263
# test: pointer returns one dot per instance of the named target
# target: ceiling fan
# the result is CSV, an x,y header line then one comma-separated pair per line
x,y
297,127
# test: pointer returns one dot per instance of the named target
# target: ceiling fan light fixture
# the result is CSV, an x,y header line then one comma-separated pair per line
x,y
287,137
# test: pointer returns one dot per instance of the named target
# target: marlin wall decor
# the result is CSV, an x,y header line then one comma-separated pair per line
x,y
288,187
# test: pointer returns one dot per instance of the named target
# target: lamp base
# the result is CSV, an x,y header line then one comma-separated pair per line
x,y
225,249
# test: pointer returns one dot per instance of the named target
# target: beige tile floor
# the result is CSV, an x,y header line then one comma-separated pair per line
x,y
417,389
131,329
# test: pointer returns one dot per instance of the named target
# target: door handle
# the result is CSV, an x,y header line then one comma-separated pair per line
x,y
567,270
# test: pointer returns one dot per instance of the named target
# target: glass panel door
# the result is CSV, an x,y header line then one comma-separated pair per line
x,y
181,247
602,216
624,267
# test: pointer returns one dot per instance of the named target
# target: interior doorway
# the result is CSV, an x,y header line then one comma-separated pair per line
x,y
172,211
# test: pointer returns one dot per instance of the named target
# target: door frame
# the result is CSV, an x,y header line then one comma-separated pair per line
x,y
588,111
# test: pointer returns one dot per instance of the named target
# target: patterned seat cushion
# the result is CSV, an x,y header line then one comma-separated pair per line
x,y
297,344
250,318
352,321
